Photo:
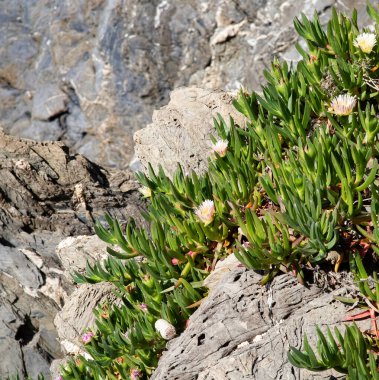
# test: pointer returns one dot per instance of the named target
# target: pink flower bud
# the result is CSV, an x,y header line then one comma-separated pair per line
x,y
135,374
87,337
174,261
143,307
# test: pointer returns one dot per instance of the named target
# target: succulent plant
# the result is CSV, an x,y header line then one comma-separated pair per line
x,y
298,180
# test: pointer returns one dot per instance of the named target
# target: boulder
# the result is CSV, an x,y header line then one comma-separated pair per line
x,y
181,131
244,330
77,314
75,252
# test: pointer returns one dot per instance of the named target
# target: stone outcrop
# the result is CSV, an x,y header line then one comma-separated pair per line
x,y
46,195
244,331
180,132
91,73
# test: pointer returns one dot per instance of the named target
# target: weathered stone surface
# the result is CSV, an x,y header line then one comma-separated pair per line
x,y
16,264
77,314
180,132
75,252
243,330
46,195
43,188
91,73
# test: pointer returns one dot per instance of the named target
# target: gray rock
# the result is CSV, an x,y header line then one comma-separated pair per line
x,y
77,314
243,330
180,132
49,102
35,363
16,264
95,71
75,252
46,195
11,356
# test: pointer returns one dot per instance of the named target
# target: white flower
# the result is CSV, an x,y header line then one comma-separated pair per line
x,y
145,191
220,147
365,42
206,211
343,104
166,329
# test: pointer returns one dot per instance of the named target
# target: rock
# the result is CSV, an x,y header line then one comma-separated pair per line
x,y
180,132
75,252
244,330
14,263
10,351
46,195
222,267
90,74
77,314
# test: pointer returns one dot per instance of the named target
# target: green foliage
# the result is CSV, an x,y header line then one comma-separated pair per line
x,y
349,354
299,179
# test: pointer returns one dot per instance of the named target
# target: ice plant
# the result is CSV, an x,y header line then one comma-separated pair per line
x,y
166,329
220,147
365,42
87,337
206,211
343,105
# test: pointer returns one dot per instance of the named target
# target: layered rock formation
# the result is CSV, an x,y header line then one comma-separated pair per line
x,y
46,194
90,73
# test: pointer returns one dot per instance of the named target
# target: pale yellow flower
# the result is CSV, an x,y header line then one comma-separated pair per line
x,y
220,147
206,211
145,191
343,105
365,42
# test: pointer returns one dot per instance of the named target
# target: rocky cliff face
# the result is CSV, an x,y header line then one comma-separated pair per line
x,y
45,195
90,73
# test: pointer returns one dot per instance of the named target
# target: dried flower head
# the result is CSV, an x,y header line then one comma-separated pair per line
x,y
365,42
343,104
145,191
87,337
166,329
206,212
220,147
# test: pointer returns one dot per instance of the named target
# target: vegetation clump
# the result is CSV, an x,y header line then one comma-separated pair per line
x,y
298,180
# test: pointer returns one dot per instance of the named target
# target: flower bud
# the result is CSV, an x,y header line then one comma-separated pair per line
x,y
87,337
166,329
